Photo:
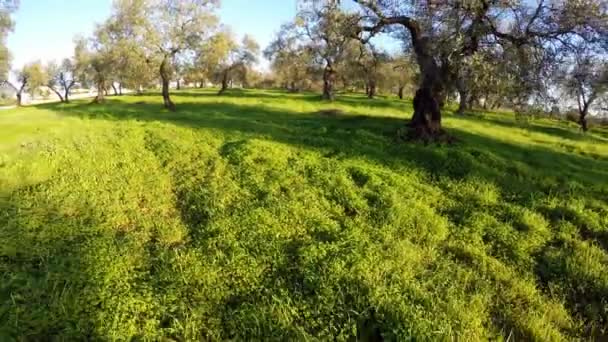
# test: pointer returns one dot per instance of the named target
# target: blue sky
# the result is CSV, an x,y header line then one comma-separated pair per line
x,y
45,29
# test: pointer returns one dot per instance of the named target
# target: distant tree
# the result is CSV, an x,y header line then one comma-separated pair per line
x,y
194,73
291,62
212,55
586,79
238,59
371,62
7,7
179,70
327,29
30,78
177,26
100,61
63,77
126,31
404,74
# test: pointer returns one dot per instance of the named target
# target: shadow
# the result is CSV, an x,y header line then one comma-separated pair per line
x,y
238,93
350,99
559,132
47,285
517,168
77,251
335,133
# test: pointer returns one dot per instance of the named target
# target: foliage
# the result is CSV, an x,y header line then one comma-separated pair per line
x,y
7,7
30,78
262,215
586,80
292,62
326,31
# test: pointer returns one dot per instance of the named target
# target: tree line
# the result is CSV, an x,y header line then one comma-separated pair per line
x,y
489,53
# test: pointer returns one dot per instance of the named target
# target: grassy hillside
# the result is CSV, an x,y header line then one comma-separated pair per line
x,y
264,215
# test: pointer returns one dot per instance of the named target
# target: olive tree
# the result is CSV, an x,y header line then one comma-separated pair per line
x,y
586,79
327,29
177,27
468,27
30,78
7,7
238,59
61,78
290,60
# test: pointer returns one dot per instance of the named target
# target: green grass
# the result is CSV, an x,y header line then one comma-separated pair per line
x,y
260,215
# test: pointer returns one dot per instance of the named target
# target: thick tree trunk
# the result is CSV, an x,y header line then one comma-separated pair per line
x,y
179,85
165,75
201,84
372,89
426,120
20,92
583,120
329,77
462,107
66,94
101,91
224,83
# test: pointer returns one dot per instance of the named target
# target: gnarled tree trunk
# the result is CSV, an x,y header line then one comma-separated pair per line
x,y
583,109
101,90
114,89
329,78
165,75
583,121
426,120
20,91
372,89
224,82
462,107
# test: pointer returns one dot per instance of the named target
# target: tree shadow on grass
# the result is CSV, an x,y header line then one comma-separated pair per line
x,y
372,137
559,132
350,99
516,169
47,290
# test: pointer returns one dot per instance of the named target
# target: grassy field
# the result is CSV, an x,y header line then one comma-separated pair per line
x,y
261,215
